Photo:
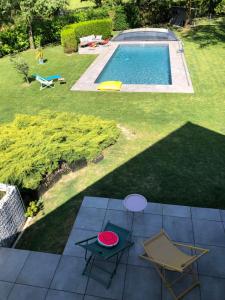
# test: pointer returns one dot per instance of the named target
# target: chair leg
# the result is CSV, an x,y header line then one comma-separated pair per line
x,y
168,285
118,257
88,261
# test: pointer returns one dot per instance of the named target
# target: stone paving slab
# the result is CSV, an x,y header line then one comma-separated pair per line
x,y
209,214
93,298
209,232
195,294
5,288
119,218
142,284
90,218
96,202
68,276
26,292
154,208
27,275
212,288
11,261
212,264
179,229
115,291
146,225
116,204
61,295
38,269
176,210
75,236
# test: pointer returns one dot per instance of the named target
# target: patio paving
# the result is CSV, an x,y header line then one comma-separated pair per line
x,y
32,275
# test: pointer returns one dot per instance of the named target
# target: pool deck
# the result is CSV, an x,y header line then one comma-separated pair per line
x,y
181,80
27,275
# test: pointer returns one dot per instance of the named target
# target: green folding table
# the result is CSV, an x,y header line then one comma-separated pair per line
x,y
106,254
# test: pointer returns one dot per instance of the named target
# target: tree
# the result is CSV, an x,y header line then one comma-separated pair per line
x,y
7,8
43,9
21,66
26,11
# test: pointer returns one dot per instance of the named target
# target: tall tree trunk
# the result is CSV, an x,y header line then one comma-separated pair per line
x,y
31,38
188,20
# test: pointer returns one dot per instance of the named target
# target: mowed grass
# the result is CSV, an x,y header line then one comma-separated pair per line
x,y
171,147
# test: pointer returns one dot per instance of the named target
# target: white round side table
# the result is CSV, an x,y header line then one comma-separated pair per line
x,y
135,203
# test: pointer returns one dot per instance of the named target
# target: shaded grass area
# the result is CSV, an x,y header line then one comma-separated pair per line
x,y
171,149
207,34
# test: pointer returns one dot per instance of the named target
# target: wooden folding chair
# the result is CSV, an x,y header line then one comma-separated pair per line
x,y
165,255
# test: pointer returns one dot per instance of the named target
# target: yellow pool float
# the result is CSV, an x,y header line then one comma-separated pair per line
x,y
110,86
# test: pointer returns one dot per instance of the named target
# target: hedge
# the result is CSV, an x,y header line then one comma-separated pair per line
x,y
97,27
33,147
68,40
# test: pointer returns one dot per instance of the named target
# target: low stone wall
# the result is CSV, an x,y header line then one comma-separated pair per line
x,y
12,216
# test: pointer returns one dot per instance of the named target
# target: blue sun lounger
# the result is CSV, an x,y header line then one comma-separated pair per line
x,y
48,78
53,77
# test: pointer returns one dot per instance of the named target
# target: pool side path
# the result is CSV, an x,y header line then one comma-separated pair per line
x,y
181,80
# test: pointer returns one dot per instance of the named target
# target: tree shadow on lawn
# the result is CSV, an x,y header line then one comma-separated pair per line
x,y
206,35
187,167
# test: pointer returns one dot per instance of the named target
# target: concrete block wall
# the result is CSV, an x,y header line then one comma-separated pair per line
x,y
12,216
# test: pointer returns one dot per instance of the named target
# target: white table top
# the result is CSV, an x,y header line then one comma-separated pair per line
x,y
135,202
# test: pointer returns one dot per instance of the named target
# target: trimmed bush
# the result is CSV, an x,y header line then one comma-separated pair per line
x,y
68,40
97,27
33,147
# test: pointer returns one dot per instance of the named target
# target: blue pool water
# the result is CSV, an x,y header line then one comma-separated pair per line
x,y
138,64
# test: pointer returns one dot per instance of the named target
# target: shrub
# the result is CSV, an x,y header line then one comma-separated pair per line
x,y
75,31
97,27
87,14
120,19
33,208
33,147
13,39
68,40
21,66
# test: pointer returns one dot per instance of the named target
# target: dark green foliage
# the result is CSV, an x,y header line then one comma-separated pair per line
x,y
13,39
117,14
133,14
87,14
21,66
32,147
68,40
97,27
220,9
120,19
151,11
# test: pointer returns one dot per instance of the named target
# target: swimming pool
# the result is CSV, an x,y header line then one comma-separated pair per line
x,y
138,64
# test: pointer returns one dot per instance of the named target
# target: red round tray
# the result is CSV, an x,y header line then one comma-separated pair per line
x,y
108,238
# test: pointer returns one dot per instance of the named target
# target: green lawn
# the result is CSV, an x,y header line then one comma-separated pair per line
x,y
171,148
